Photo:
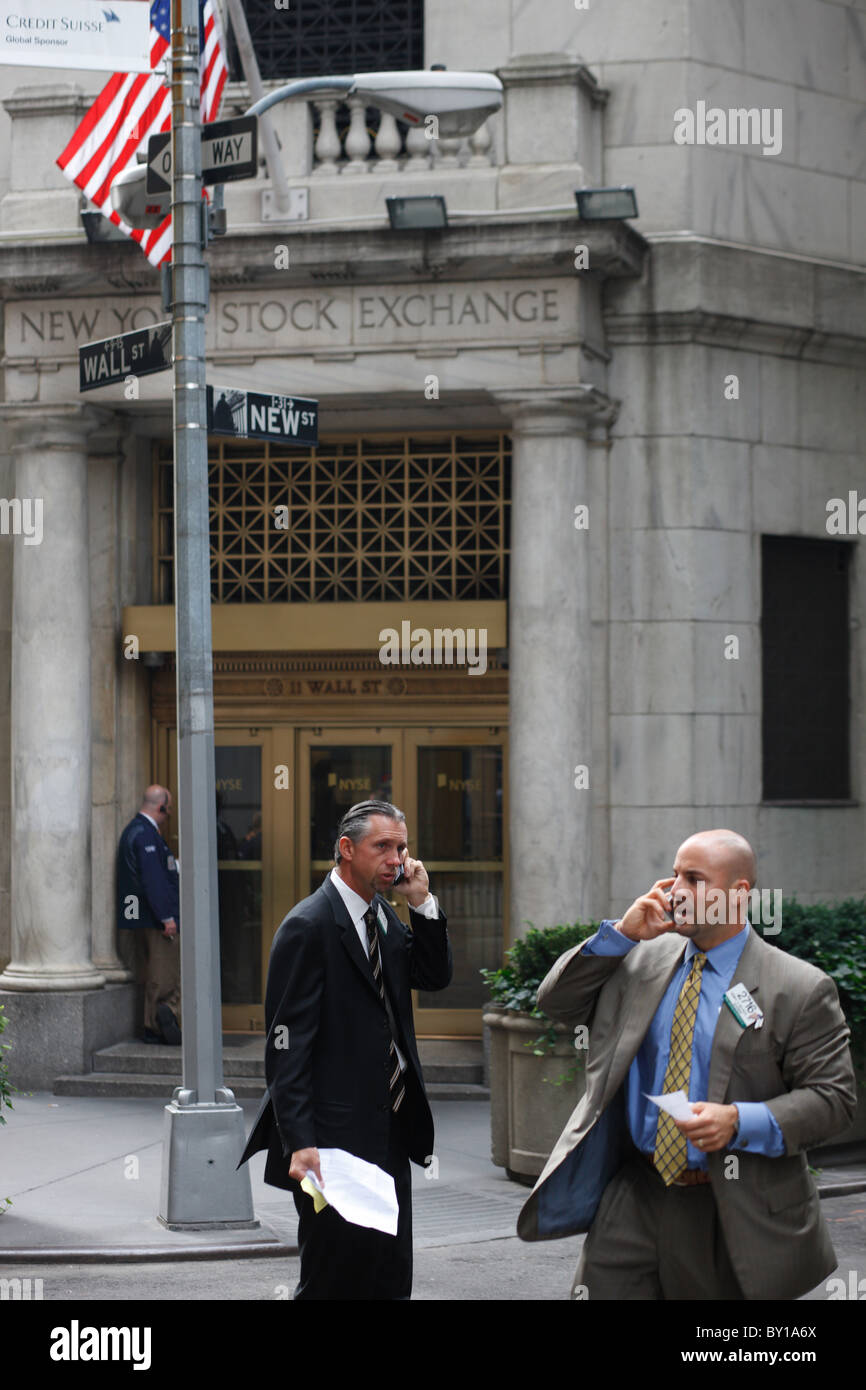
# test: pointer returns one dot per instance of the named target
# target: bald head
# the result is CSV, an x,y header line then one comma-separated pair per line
x,y
154,800
730,854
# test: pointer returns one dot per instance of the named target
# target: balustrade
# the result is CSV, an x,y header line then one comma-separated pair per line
x,y
344,146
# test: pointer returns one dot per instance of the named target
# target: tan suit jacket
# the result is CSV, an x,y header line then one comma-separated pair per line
x,y
799,1062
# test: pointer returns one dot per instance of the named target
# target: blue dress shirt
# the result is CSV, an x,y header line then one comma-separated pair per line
x,y
758,1131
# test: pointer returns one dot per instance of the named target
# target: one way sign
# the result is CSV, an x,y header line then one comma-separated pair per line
x,y
229,150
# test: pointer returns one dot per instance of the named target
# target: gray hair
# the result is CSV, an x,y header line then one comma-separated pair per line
x,y
356,822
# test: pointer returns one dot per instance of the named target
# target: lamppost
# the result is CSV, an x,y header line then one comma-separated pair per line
x,y
204,1131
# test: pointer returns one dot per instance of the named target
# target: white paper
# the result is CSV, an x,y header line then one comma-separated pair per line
x,y
676,1104
359,1191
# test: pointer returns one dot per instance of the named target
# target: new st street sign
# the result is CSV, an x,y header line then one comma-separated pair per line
x,y
254,415
140,353
229,150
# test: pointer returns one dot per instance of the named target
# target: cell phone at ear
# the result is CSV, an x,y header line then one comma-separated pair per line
x,y
399,875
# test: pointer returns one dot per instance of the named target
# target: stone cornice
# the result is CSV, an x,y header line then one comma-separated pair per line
x,y
728,331
770,297
535,69
516,247
62,99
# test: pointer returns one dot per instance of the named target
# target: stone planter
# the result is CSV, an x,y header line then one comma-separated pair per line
x,y
527,1111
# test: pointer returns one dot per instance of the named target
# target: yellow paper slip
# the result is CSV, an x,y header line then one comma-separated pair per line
x,y
319,1198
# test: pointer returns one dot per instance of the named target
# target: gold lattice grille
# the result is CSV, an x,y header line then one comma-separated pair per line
x,y
364,519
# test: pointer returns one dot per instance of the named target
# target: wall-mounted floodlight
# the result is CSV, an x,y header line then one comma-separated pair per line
x,y
460,101
417,214
98,228
606,204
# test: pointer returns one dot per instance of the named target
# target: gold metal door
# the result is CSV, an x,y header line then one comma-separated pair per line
x,y
455,793
255,835
338,767
450,784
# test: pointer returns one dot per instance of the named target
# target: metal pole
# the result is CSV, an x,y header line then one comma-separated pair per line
x,y
267,134
204,1127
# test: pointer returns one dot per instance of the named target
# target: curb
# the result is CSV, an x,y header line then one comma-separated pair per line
x,y
134,1254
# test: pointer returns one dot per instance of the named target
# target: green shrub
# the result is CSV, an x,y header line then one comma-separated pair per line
x,y
6,1087
515,985
833,937
829,935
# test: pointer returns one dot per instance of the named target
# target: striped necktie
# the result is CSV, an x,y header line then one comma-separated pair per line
x,y
395,1075
671,1152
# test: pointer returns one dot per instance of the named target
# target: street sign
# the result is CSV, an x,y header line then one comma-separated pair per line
x,y
140,353
229,150
253,415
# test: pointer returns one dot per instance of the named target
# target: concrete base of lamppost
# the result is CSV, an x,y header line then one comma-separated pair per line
x,y
203,1143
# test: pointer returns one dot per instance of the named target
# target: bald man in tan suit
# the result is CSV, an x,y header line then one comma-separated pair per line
x,y
720,1206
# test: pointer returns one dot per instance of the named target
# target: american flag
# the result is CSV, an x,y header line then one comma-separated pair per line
x,y
130,108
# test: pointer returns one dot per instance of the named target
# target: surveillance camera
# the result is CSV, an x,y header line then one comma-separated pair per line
x,y
134,204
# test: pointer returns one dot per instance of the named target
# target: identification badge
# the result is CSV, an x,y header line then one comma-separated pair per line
x,y
383,920
172,864
743,1007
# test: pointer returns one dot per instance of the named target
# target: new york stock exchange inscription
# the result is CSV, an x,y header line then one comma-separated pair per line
x,y
298,319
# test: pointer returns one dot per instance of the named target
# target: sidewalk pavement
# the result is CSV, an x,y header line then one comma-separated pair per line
x,y
84,1177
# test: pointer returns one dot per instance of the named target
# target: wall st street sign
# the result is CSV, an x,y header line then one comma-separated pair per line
x,y
140,353
254,415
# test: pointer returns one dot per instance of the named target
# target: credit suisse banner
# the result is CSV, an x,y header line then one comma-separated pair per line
x,y
94,35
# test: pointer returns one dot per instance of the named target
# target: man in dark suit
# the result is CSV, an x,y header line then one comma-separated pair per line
x,y
341,1061
148,900
682,993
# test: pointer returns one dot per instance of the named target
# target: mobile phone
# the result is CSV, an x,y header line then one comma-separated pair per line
x,y
400,874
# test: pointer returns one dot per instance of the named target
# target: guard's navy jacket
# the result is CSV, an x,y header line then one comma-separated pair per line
x,y
146,870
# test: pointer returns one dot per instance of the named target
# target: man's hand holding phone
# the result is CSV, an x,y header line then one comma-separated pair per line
x,y
412,881
650,915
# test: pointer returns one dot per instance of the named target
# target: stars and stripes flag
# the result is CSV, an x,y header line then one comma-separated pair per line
x,y
130,108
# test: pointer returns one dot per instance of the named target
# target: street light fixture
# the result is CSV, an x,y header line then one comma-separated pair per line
x,y
458,102
201,1187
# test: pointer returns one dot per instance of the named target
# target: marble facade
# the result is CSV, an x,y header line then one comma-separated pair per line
x,y
614,382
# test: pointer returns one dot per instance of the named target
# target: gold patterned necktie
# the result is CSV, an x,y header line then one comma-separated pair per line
x,y
671,1151
395,1075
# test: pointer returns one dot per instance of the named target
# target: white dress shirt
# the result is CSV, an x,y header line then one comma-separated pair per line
x,y
356,908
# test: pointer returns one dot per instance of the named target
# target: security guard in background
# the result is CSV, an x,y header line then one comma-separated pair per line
x,y
148,899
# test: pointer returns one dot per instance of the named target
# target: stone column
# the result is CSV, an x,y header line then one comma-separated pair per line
x,y
106,462
51,723
550,739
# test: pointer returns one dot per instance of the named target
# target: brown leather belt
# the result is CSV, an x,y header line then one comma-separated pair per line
x,y
692,1177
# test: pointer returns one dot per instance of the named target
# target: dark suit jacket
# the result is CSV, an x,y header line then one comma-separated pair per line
x,y
799,1063
328,1036
143,872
